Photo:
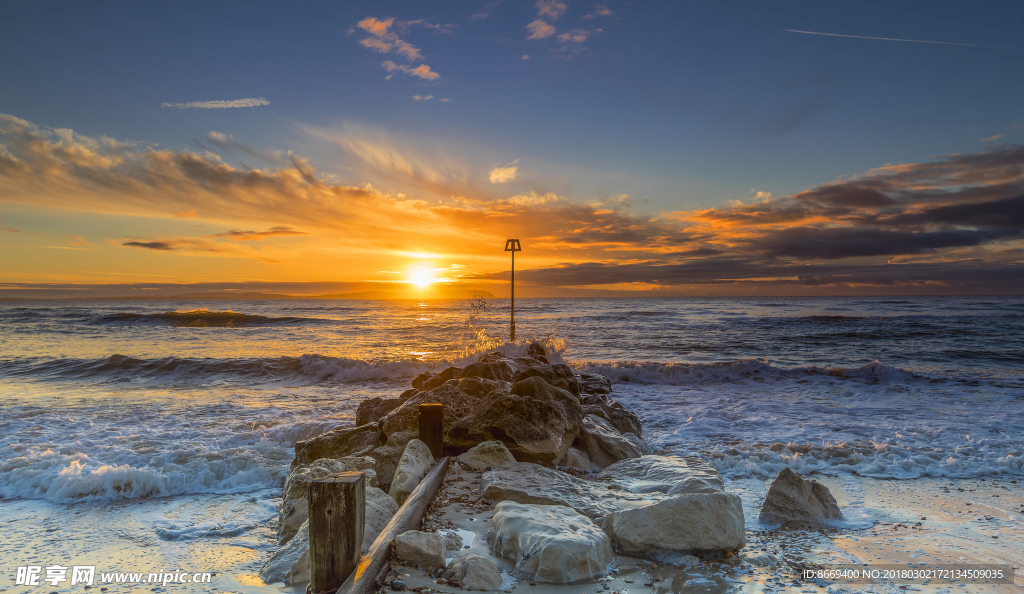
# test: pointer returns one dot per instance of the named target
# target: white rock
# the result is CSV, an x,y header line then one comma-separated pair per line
x,y
380,508
294,500
489,454
525,482
688,523
792,497
290,563
603,443
577,459
550,542
413,466
423,549
672,475
476,572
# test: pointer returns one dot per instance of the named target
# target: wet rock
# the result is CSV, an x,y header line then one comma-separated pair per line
x,y
397,585
407,416
338,444
427,381
577,459
672,475
475,572
592,383
479,387
535,351
373,409
792,497
290,563
423,549
489,454
524,482
294,500
501,370
691,523
536,421
624,421
413,466
549,542
560,376
388,455
603,444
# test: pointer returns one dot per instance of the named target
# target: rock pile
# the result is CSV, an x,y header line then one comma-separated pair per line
x,y
521,422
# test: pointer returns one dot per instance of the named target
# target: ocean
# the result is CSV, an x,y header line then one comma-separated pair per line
x,y
155,435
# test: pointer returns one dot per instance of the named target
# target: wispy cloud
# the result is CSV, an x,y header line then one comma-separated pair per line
x,y
599,10
255,102
382,39
552,9
539,30
447,29
422,98
423,71
897,39
8,228
200,246
577,35
504,173
227,142
240,235
991,138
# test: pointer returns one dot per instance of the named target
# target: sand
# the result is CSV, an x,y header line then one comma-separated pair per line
x,y
923,521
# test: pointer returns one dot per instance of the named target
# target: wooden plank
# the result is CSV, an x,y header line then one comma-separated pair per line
x,y
366,578
432,428
337,519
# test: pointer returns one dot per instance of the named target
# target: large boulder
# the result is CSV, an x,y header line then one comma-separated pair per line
x,y
592,383
475,572
338,444
524,482
427,381
549,542
559,375
487,455
415,462
624,421
422,549
290,563
683,524
388,455
500,370
373,409
672,475
480,387
792,497
535,420
603,444
295,499
407,416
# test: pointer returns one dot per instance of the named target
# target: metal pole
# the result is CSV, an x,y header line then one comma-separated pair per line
x,y
512,327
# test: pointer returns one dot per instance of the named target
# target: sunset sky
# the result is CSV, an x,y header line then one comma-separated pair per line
x,y
650,148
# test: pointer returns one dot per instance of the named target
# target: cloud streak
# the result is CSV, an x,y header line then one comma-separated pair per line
x,y
423,71
897,39
234,103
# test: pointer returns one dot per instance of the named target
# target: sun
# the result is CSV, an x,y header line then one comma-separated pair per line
x,y
422,278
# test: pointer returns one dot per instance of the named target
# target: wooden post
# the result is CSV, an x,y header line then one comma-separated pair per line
x,y
432,428
513,245
373,566
337,515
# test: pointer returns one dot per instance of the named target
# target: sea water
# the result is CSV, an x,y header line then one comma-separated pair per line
x,y
155,435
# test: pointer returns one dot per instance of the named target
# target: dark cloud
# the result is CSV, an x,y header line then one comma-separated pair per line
x,y
239,235
162,246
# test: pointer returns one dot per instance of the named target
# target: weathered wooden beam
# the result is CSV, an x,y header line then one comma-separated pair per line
x,y
371,569
337,517
432,428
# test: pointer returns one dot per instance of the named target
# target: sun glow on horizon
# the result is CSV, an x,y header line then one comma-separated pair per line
x,y
423,278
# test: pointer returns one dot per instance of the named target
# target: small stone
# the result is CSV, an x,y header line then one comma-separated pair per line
x,y
398,585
